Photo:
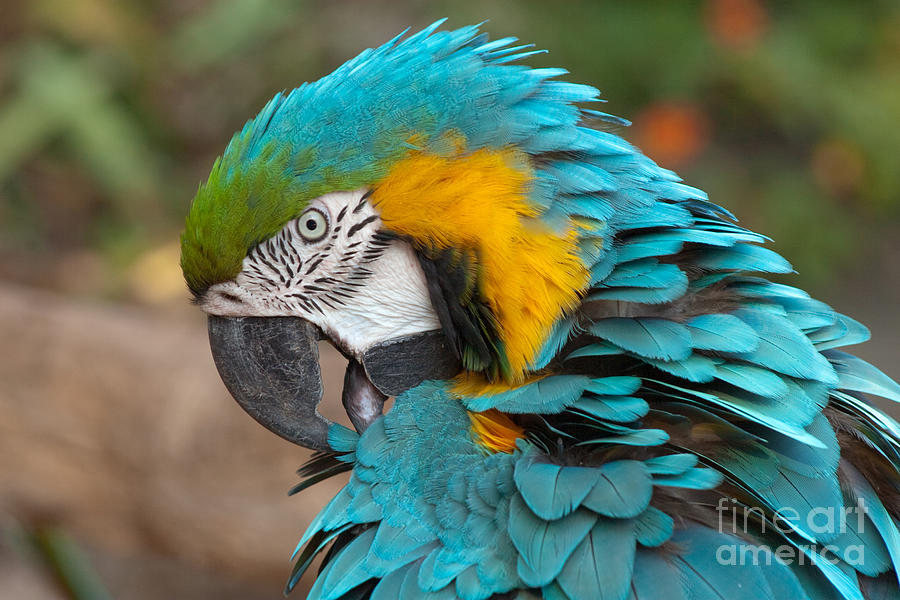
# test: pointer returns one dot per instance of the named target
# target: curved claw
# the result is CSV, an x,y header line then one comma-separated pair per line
x,y
271,367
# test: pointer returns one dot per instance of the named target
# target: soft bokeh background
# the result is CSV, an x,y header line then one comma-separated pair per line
x,y
123,463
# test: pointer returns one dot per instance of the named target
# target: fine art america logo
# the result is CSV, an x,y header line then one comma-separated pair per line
x,y
820,523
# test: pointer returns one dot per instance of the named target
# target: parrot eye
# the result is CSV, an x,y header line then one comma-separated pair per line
x,y
312,225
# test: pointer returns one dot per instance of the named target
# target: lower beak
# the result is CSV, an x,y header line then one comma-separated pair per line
x,y
270,365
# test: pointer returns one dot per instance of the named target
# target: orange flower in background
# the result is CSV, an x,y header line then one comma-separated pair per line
x,y
671,133
736,24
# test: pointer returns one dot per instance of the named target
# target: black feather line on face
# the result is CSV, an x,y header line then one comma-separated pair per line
x,y
362,201
317,260
467,322
357,226
439,302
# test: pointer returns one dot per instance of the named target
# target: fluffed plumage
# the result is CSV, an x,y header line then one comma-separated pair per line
x,y
676,425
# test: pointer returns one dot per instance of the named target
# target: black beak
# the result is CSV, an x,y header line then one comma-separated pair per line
x,y
271,367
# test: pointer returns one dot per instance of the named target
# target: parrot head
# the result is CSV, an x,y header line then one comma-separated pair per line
x,y
418,208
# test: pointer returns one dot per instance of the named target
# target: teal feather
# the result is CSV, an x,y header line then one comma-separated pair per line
x,y
607,118
843,332
469,587
327,519
342,439
575,178
391,543
363,508
869,414
887,526
807,313
552,491
623,490
670,464
696,368
784,348
859,376
707,281
642,295
709,237
706,579
603,267
742,257
805,496
695,479
388,587
586,206
661,215
746,407
794,408
555,342
545,546
653,527
655,574
844,579
409,590
860,544
647,273
613,434
757,287
753,379
654,338
613,386
435,574
551,591
618,409
649,245
553,393
812,462
602,561
601,349
722,332
346,570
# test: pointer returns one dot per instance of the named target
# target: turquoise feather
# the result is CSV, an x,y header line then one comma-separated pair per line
x,y
552,491
602,561
654,338
653,528
623,490
545,546
722,332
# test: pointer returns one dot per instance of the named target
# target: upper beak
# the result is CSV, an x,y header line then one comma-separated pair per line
x,y
271,367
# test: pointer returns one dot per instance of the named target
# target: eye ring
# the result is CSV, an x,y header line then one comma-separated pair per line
x,y
312,225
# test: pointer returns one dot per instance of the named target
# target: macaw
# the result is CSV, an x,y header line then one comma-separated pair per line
x,y
598,392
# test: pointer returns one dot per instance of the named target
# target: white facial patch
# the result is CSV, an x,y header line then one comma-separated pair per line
x,y
356,283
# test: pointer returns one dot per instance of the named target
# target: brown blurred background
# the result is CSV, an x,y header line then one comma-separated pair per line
x,y
123,462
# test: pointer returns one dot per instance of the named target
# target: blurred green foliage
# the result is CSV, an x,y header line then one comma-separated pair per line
x,y
112,111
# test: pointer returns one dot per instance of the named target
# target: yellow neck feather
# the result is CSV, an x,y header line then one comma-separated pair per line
x,y
495,431
529,274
